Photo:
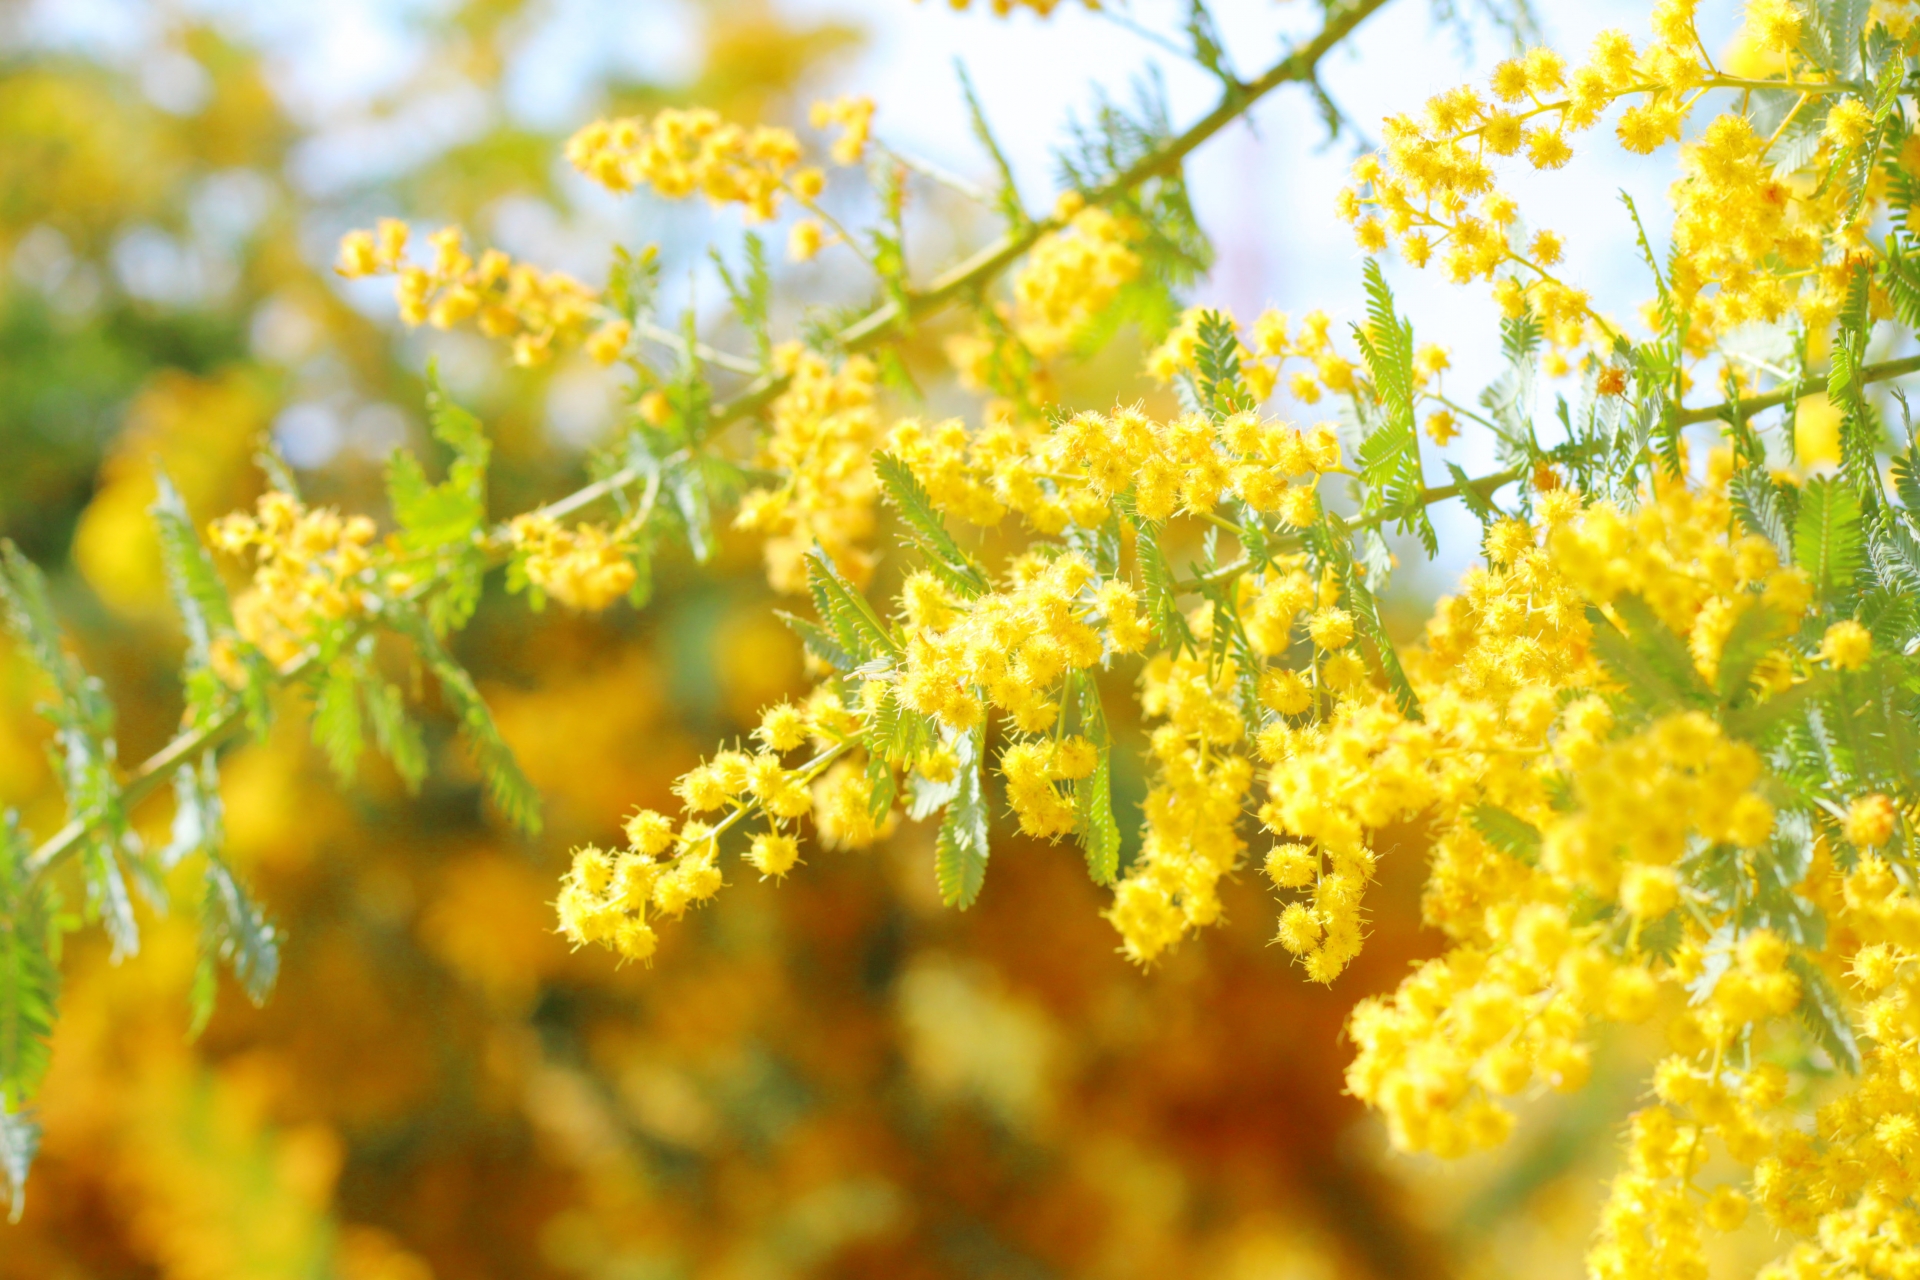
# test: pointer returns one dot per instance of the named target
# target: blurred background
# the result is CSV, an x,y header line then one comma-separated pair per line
x,y
832,1078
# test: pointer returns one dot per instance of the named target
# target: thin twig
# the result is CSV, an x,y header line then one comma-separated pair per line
x,y
699,350
151,772
1717,81
1152,37
945,177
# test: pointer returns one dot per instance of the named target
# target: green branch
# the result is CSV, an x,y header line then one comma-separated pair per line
x,y
1750,405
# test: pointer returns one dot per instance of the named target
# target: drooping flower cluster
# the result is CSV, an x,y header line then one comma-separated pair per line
x,y
1070,283
608,897
1071,474
1201,777
1008,649
1483,1024
823,430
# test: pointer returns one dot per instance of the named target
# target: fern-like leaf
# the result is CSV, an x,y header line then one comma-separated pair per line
x,y
1507,832
1650,662
944,556
846,613
1906,479
1828,541
1093,795
1390,455
239,933
337,727
395,732
1007,196
1824,1014
197,590
500,772
960,850
28,609
751,296
29,982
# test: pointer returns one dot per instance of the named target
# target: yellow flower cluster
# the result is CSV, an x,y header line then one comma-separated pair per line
x,y
1843,1186
1870,821
1898,16
1487,679
1641,797
311,568
1273,345
607,898
1010,649
1070,278
1848,1185
1013,648
1484,1023
1515,723
1329,785
536,309
1002,8
1651,1222
681,152
853,114
1762,240
1750,244
1675,554
824,428
1500,680
1509,1006
1071,473
587,567
1605,845
1032,770
1195,795
1434,189
842,815
1846,646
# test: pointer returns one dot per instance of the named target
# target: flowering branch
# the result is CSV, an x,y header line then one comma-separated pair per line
x,y
866,332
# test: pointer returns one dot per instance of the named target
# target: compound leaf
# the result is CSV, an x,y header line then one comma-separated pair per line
x,y
505,783
909,497
1823,1013
960,850
1828,540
